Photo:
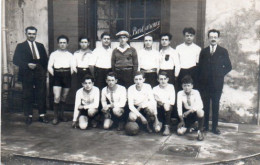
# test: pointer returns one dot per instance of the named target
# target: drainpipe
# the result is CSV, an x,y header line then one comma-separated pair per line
x,y
4,53
258,104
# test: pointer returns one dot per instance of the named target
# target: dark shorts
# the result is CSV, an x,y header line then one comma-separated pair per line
x,y
62,78
125,77
193,72
83,112
190,119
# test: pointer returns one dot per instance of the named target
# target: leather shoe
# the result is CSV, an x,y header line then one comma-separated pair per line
x,y
43,119
28,121
216,131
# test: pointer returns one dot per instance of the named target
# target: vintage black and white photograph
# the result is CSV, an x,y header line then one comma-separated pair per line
x,y
130,82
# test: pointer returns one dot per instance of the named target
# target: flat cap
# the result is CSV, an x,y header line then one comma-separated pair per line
x,y
122,33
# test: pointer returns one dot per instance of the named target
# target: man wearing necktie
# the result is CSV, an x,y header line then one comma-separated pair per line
x,y
32,60
214,64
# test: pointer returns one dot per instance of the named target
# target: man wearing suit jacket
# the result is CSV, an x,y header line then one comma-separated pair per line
x,y
32,60
214,64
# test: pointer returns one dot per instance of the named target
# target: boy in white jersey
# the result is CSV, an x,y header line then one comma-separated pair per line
x,y
189,56
142,104
113,99
164,94
82,58
86,103
169,59
101,61
148,61
61,66
190,108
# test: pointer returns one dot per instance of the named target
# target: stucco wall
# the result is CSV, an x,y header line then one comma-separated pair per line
x,y
19,15
239,24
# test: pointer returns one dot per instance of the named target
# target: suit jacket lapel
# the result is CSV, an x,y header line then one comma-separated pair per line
x,y
27,48
208,50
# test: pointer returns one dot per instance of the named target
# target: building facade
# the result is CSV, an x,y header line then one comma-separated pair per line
x,y
238,21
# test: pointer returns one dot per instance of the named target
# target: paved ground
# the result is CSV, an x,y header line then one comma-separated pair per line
x,y
61,144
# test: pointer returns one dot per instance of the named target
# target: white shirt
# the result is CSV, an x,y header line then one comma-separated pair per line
x,y
102,57
88,100
141,98
119,96
195,100
172,62
148,59
165,95
188,54
82,59
35,48
61,59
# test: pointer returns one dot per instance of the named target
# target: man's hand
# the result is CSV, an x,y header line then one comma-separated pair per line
x,y
74,124
181,124
32,66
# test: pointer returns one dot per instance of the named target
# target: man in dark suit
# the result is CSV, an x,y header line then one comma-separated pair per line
x,y
214,64
32,60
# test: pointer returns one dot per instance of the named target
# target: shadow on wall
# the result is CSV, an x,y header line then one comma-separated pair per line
x,y
240,94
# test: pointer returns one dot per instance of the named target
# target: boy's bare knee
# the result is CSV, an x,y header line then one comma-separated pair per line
x,y
118,111
200,113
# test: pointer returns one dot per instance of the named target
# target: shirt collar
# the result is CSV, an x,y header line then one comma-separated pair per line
x,y
191,93
123,49
215,47
30,42
102,47
87,51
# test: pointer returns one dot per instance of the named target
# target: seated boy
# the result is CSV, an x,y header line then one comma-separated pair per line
x,y
86,103
142,104
164,94
113,99
190,108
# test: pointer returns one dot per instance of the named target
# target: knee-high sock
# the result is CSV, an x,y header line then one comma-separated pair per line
x,y
200,123
168,117
56,107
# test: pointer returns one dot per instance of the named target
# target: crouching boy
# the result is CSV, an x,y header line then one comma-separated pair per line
x,y
190,108
164,94
142,104
113,99
86,103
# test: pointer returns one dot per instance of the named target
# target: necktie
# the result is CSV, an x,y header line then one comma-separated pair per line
x,y
212,50
112,97
188,100
33,51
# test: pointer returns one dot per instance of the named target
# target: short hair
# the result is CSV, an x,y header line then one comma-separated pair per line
x,y
62,37
163,73
149,35
187,80
214,31
140,73
87,77
30,28
188,30
105,34
166,34
84,37
112,74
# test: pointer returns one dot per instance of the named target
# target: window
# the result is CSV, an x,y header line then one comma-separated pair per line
x,y
138,17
